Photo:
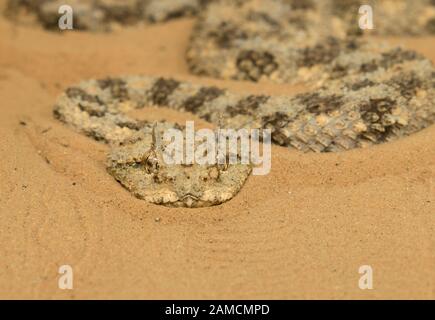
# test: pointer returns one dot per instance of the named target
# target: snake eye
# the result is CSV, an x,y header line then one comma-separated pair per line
x,y
152,164
223,167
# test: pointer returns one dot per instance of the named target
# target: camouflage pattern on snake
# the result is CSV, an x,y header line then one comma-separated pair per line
x,y
360,93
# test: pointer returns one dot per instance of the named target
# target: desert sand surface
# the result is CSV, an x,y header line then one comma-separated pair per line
x,y
300,232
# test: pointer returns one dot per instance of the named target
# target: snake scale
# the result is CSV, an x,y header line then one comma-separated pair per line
x,y
360,93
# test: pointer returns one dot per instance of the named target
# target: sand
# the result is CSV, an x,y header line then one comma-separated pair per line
x,y
301,232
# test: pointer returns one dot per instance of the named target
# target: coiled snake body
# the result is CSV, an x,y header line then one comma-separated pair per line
x,y
360,93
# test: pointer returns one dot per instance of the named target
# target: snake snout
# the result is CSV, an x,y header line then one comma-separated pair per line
x,y
190,200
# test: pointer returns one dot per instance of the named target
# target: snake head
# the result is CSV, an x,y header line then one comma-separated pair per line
x,y
141,168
